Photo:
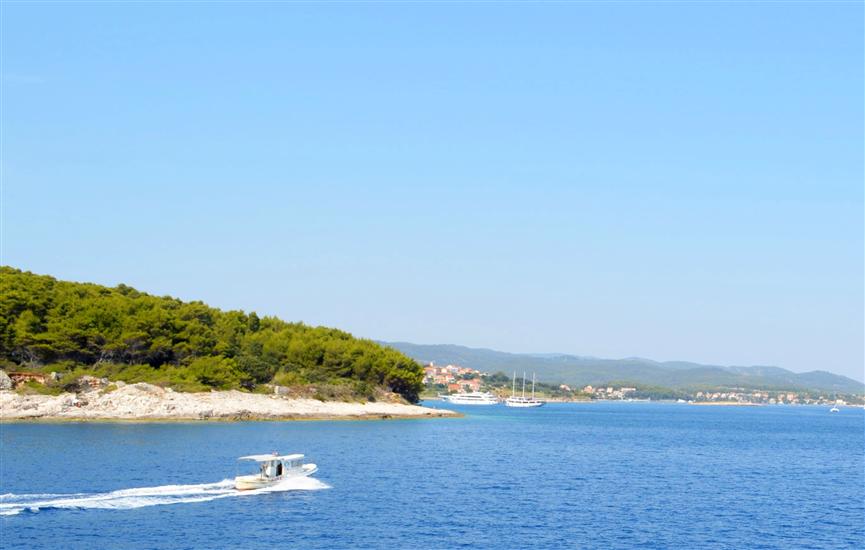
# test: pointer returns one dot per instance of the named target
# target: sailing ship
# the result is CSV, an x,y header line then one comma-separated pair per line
x,y
522,401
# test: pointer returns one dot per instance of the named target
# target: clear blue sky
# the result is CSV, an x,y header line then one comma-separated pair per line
x,y
667,180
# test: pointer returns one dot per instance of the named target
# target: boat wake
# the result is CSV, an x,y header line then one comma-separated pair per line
x,y
126,499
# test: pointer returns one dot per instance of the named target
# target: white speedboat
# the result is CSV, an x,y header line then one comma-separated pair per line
x,y
834,409
272,469
522,401
473,398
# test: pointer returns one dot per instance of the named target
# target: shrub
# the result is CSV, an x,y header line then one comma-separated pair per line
x,y
284,378
216,372
32,387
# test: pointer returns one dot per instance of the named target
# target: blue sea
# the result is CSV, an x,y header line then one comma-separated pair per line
x,y
595,475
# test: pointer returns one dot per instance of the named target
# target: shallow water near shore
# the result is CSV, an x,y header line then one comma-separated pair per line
x,y
577,475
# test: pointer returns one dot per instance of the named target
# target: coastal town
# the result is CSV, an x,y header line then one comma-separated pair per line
x,y
452,378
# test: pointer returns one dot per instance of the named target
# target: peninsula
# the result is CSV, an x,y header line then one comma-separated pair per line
x,y
84,351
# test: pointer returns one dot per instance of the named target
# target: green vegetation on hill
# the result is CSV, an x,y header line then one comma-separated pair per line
x,y
124,334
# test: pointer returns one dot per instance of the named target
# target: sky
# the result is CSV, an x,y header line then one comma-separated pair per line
x,y
674,180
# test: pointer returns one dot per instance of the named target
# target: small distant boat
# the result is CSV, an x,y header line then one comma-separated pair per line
x,y
523,401
834,409
272,469
472,398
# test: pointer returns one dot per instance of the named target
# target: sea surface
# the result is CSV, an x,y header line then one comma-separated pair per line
x,y
597,475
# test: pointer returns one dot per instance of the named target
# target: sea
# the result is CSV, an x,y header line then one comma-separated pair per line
x,y
589,475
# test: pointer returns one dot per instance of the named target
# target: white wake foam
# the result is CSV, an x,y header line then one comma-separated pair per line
x,y
139,497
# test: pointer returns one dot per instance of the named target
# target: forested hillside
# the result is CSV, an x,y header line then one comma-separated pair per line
x,y
578,371
128,335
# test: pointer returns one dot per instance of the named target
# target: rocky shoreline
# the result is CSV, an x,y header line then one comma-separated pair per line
x,y
146,402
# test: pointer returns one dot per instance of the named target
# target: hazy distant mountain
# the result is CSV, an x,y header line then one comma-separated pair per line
x,y
579,370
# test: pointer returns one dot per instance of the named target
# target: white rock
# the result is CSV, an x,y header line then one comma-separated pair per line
x,y
131,401
5,381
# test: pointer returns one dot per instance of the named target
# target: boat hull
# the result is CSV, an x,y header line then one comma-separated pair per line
x,y
255,481
525,405
461,402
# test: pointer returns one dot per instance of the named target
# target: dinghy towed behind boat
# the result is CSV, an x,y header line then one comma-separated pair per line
x,y
272,469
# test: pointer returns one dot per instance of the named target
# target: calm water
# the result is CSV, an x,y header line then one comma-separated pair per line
x,y
566,475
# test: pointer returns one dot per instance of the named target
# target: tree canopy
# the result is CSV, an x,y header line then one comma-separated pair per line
x,y
46,321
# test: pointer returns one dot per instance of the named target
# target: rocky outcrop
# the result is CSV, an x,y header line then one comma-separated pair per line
x,y
88,382
145,401
5,381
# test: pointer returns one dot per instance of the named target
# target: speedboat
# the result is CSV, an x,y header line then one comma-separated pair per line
x,y
834,409
521,401
472,398
272,469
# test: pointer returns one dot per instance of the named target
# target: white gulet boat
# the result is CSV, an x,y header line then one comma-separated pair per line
x,y
272,469
473,398
523,401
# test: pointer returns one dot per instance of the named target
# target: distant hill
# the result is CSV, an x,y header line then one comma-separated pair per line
x,y
579,370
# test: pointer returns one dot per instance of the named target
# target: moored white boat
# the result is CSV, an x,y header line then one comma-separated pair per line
x,y
472,398
522,401
272,469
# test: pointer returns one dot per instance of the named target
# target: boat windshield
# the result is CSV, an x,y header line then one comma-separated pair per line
x,y
268,469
